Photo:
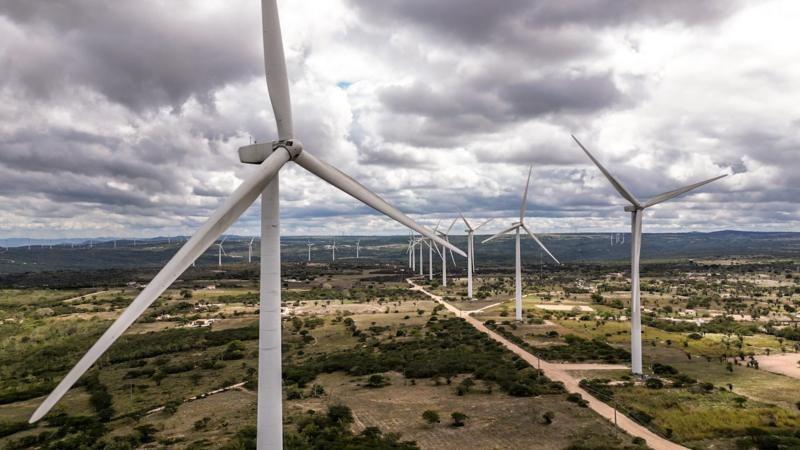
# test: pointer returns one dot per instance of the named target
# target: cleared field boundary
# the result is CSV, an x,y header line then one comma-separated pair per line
x,y
556,373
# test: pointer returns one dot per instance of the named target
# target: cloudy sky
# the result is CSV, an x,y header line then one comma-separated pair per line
x,y
123,118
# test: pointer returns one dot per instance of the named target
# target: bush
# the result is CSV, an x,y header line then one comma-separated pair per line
x,y
430,417
377,381
458,418
548,417
640,416
577,399
654,383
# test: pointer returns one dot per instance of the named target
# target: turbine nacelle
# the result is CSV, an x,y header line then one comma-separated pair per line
x,y
258,152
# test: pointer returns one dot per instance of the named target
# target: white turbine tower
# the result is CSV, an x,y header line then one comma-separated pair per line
x,y
309,244
443,253
516,226
410,250
220,251
333,251
250,250
471,251
636,208
358,248
421,261
270,157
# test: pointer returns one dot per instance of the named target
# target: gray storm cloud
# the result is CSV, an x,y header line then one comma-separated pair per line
x,y
124,117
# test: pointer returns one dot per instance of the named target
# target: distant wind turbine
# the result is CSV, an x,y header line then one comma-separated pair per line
x,y
515,227
250,250
358,248
220,251
636,208
471,251
309,244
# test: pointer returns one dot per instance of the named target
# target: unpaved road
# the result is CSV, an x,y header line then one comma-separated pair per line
x,y
559,372
781,363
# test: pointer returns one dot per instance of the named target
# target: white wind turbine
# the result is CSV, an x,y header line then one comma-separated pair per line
x,y
250,250
270,157
471,251
309,244
516,226
636,208
333,251
443,253
358,248
220,251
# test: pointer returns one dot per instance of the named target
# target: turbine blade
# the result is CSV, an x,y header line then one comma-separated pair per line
x,y
524,205
465,220
540,244
275,66
614,182
437,226
484,223
451,225
511,228
436,247
672,194
344,182
223,217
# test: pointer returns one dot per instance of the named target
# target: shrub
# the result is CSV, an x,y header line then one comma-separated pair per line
x,y
458,418
377,381
431,417
654,383
577,399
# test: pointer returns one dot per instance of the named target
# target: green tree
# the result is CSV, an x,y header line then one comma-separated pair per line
x,y
458,418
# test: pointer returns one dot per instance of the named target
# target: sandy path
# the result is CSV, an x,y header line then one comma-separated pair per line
x,y
84,295
558,372
781,363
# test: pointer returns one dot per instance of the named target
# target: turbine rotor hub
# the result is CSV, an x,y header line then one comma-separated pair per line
x,y
258,152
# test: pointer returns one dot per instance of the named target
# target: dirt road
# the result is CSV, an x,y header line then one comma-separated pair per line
x,y
781,363
559,372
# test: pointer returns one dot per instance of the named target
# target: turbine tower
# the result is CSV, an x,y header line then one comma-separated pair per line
x,y
309,244
443,252
515,227
250,250
358,248
421,261
471,251
636,208
263,181
333,251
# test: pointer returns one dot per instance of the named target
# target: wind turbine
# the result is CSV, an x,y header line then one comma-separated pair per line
x,y
471,251
220,251
516,226
309,244
333,251
636,208
250,250
445,235
358,247
271,157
